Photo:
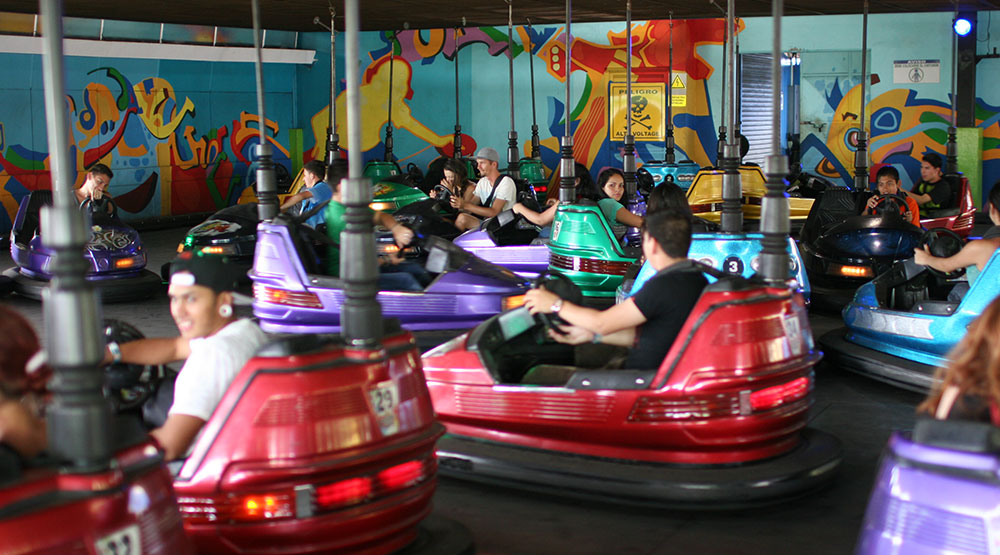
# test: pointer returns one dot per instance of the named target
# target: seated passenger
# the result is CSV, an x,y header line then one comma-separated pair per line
x,y
456,179
969,387
887,181
649,322
933,192
544,218
491,195
609,194
975,254
316,192
22,383
95,186
395,274
213,344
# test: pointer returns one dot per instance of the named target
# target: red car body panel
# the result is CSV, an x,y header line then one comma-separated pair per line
x,y
734,343
962,222
57,512
301,429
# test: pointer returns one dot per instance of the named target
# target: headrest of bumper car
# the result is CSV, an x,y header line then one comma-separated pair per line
x,y
960,435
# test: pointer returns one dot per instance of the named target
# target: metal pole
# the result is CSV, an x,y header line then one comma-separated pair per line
x,y
721,146
536,150
513,156
732,209
629,150
267,188
951,151
333,139
567,168
388,125
458,127
360,315
774,220
668,155
861,156
78,419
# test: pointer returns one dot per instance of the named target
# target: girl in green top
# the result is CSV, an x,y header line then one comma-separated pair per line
x,y
609,195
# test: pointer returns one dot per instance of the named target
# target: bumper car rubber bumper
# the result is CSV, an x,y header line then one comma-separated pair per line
x,y
111,290
893,370
806,468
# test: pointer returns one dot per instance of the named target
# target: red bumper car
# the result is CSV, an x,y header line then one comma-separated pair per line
x,y
318,447
720,424
49,509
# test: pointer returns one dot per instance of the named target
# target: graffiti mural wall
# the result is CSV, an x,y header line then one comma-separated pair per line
x,y
179,135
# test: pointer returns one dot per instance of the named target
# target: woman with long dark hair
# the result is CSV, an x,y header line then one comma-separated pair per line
x,y
23,377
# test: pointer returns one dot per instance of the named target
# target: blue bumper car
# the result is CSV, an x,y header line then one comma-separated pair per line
x,y
901,326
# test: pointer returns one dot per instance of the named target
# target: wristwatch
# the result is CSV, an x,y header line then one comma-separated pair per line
x,y
116,352
556,306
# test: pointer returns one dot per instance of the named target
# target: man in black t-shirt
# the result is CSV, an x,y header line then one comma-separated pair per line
x,y
933,192
649,321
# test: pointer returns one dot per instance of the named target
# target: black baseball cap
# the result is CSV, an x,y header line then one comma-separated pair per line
x,y
212,271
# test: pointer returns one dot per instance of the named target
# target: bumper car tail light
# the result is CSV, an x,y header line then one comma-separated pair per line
x,y
124,263
401,475
345,492
388,248
265,507
273,295
855,271
511,302
180,248
237,508
216,249
773,397
589,265
382,206
692,407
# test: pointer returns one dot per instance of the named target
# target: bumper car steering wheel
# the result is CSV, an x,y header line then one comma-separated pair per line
x,y
100,206
564,288
128,386
942,243
889,204
443,196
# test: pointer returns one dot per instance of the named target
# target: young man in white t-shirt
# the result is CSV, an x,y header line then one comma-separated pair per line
x,y
490,195
212,342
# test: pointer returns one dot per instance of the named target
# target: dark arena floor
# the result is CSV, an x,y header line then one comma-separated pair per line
x,y
859,411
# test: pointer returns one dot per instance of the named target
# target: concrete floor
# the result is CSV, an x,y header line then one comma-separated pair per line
x,y
859,411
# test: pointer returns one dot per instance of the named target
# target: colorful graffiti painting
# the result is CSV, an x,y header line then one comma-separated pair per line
x,y
163,165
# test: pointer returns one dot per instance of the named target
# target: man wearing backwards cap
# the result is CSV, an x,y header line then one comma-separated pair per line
x,y
213,344
491,195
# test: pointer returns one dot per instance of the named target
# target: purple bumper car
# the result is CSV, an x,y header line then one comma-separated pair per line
x,y
937,491
116,258
510,241
291,293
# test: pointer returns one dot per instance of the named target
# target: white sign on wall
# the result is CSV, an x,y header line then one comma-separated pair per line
x,y
916,71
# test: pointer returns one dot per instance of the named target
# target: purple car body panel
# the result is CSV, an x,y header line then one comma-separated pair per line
x,y
109,244
929,500
311,303
527,260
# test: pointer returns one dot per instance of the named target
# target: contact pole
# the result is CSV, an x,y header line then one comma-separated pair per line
x,y
567,168
267,188
774,210
629,151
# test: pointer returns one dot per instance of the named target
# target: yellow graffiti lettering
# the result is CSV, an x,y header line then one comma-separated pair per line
x,y
153,105
246,131
433,45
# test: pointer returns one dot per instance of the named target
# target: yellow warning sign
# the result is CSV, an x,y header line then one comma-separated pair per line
x,y
647,108
677,83
678,101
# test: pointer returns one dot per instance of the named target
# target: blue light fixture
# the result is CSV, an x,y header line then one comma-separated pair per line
x,y
962,26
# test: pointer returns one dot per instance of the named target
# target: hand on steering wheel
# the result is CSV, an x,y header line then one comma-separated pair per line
x,y
547,290
940,242
128,386
102,205
887,204
443,195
